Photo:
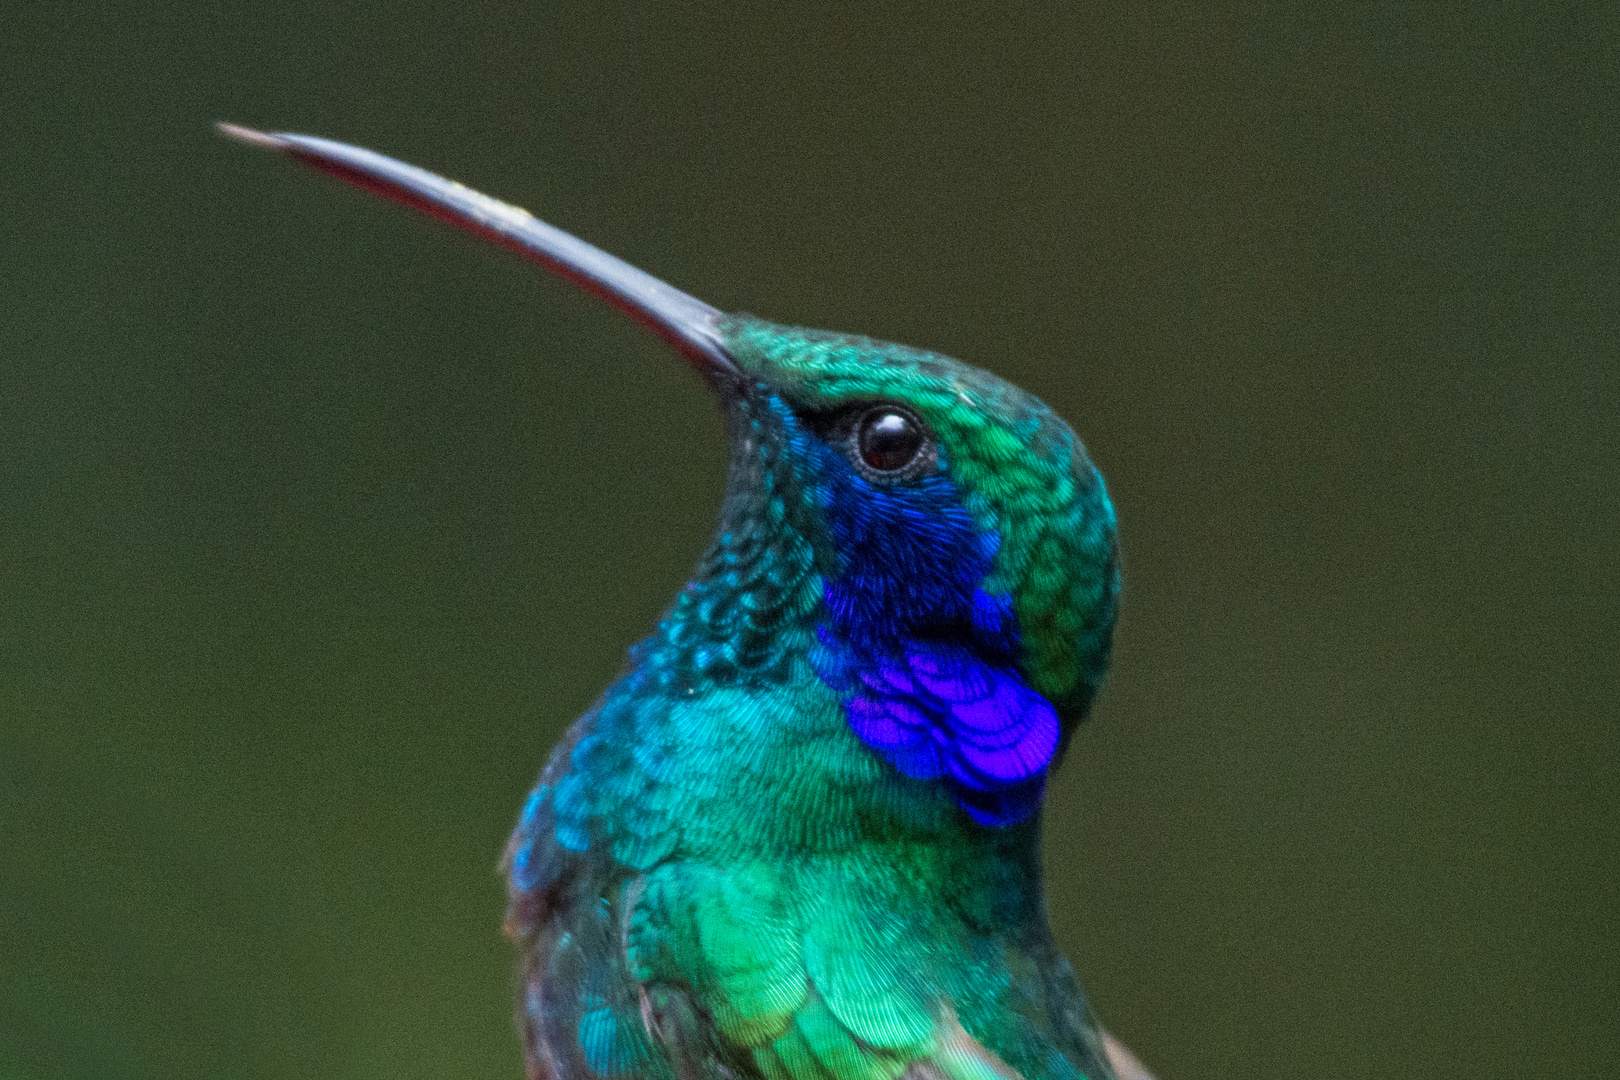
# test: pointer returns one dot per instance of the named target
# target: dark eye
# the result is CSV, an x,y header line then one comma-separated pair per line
x,y
888,440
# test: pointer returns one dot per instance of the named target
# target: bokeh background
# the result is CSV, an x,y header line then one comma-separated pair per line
x,y
319,522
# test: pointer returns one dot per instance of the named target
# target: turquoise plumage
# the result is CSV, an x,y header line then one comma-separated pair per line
x,y
798,838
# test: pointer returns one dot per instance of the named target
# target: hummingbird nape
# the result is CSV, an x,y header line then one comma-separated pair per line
x,y
798,838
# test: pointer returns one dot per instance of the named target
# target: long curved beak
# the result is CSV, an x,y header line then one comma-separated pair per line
x,y
684,321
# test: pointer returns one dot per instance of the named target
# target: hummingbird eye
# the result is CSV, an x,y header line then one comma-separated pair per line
x,y
889,440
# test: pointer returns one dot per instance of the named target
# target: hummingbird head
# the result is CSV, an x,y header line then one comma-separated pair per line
x,y
946,503
926,541
932,539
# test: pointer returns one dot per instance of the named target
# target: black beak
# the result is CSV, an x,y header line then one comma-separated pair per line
x,y
684,321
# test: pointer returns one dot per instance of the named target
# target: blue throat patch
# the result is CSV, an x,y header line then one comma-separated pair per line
x,y
926,659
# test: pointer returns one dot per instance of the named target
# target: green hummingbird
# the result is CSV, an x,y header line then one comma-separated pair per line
x,y
798,837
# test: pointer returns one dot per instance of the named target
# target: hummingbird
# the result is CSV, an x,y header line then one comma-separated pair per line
x,y
798,837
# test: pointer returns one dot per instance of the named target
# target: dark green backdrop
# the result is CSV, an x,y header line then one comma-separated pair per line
x,y
319,522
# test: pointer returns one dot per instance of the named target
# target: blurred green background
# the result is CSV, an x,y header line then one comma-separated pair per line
x,y
319,522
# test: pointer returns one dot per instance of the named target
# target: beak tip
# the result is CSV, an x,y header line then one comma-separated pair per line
x,y
250,136
692,326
